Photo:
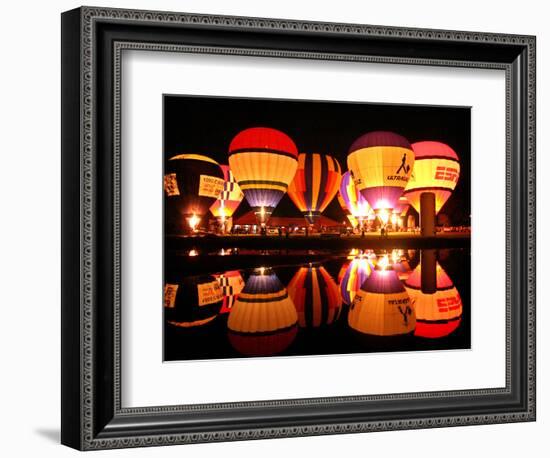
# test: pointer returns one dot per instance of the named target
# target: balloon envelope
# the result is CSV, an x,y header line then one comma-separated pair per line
x,y
436,169
352,199
382,306
230,197
357,271
315,184
316,296
192,182
381,164
263,320
263,161
192,301
437,314
231,283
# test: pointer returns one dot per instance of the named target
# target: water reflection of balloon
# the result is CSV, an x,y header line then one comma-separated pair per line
x,y
192,182
193,301
382,306
263,161
437,314
263,320
357,271
381,164
316,296
436,169
315,184
230,197
231,283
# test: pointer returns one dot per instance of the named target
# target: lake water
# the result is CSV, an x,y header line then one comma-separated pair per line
x,y
235,303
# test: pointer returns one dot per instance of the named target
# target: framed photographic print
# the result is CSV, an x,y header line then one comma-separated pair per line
x,y
277,228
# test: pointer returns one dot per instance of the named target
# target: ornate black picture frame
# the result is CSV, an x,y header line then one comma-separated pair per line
x,y
92,42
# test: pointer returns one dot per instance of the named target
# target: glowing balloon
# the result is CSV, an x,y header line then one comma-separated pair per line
x,y
193,301
436,169
381,164
264,162
231,283
382,306
315,184
357,271
316,296
230,197
437,314
192,183
352,200
401,207
263,320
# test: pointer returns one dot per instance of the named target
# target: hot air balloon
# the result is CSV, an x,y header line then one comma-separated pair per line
x,y
381,164
316,296
231,283
229,199
401,207
382,306
315,184
436,169
192,301
437,314
263,161
192,183
357,271
352,200
263,320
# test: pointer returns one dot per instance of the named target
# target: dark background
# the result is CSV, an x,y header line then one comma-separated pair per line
x,y
206,125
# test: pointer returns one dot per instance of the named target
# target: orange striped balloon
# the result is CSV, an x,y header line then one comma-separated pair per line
x,y
316,296
315,184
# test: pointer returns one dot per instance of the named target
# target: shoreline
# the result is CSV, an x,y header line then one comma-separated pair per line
x,y
327,242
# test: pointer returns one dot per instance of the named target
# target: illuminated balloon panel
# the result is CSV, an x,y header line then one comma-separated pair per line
x,y
437,314
382,306
402,206
231,283
192,301
353,201
264,162
315,184
192,183
381,164
263,320
230,197
355,274
436,169
342,202
316,296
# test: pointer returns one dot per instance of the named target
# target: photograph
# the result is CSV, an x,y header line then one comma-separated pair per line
x,y
309,228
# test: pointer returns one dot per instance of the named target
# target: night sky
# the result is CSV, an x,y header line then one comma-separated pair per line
x,y
206,125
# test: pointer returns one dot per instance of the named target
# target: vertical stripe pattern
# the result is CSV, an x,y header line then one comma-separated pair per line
x,y
316,297
315,184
